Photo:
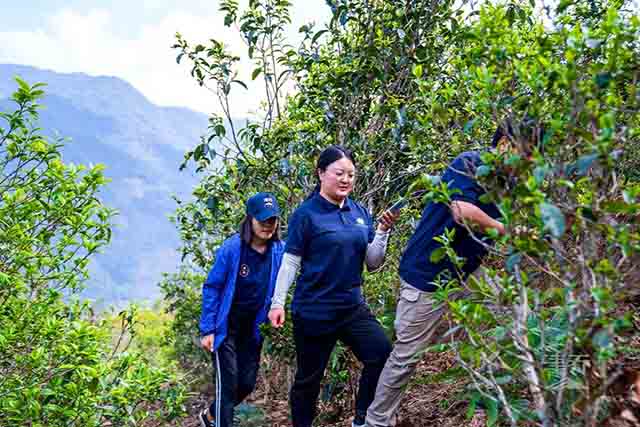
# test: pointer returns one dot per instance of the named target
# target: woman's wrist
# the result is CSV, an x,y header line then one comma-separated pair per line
x,y
382,229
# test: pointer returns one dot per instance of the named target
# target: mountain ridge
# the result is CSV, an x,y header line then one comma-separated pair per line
x,y
108,121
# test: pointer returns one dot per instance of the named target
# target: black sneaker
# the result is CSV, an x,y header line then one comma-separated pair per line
x,y
358,421
204,420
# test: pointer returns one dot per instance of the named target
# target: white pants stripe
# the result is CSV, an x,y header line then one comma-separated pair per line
x,y
218,388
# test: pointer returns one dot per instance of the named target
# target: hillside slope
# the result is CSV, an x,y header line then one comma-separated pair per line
x,y
106,120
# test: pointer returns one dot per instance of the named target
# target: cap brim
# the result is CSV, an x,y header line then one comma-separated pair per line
x,y
267,215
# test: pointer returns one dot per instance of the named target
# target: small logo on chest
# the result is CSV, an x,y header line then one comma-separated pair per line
x,y
244,270
360,221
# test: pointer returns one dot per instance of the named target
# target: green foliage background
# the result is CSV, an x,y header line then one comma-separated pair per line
x,y
59,365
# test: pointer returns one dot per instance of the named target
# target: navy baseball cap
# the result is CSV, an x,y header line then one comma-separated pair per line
x,y
263,206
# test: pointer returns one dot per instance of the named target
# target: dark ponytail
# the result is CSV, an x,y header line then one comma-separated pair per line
x,y
331,154
316,190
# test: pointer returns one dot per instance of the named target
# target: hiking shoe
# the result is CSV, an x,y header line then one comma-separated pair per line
x,y
358,421
204,420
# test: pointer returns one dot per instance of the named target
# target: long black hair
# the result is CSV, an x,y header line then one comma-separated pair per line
x,y
331,154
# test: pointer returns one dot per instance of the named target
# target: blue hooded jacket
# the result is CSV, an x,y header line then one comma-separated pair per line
x,y
218,289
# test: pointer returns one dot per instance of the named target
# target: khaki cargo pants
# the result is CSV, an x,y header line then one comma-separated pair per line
x,y
418,315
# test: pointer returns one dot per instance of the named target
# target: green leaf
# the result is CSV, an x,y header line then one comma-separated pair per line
x,y
603,79
483,170
492,412
23,85
437,255
39,146
587,212
504,379
317,35
256,73
417,70
241,83
619,206
513,160
506,101
500,332
540,173
220,130
471,410
412,140
564,4
468,126
553,219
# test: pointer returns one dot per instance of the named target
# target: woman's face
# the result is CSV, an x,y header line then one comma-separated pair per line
x,y
264,230
337,180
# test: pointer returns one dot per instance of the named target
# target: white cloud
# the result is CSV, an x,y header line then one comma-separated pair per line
x,y
87,42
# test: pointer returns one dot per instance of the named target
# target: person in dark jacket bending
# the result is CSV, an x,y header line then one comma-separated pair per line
x,y
418,313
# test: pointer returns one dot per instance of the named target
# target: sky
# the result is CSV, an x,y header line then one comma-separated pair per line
x,y
131,39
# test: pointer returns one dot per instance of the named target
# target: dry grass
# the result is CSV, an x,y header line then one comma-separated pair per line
x,y
429,401
424,404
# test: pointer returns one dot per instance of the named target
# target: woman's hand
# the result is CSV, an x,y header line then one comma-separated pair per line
x,y
386,221
276,316
207,342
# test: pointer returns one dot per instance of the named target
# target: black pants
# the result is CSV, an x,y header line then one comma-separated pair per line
x,y
236,364
363,335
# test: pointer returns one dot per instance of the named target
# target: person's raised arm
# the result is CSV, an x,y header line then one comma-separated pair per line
x,y
377,249
461,179
466,212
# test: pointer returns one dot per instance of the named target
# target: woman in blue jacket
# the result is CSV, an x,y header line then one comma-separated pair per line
x,y
235,300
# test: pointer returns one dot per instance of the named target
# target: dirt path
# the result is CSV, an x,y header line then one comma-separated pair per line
x,y
276,414
426,403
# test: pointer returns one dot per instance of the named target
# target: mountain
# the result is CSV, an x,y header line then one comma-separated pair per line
x,y
141,144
